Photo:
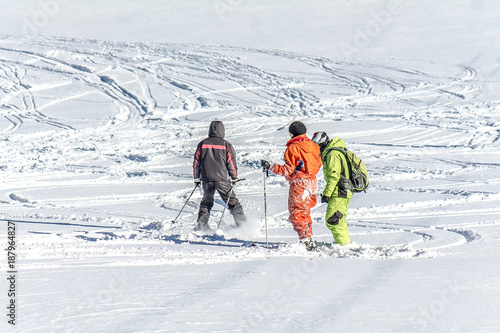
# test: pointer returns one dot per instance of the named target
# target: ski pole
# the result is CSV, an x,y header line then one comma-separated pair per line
x,y
194,189
265,208
265,173
228,197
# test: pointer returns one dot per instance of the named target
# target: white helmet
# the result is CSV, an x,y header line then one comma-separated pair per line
x,y
320,138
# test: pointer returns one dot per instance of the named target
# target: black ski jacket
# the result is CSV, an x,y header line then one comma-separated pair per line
x,y
215,158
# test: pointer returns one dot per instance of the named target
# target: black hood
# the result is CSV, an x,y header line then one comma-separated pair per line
x,y
217,129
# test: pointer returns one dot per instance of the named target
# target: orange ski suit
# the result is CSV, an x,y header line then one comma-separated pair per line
x,y
302,163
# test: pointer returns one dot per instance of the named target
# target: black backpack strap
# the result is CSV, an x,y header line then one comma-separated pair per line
x,y
342,171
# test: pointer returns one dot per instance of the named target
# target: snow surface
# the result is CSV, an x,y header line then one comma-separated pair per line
x,y
102,105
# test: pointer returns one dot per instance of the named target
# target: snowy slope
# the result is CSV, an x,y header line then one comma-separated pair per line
x,y
97,141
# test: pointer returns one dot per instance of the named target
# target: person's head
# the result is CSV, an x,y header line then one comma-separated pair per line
x,y
321,139
297,128
217,129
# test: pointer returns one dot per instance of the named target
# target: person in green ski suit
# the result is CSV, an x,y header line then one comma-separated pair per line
x,y
334,164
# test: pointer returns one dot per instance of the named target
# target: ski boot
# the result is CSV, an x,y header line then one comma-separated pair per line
x,y
202,226
310,244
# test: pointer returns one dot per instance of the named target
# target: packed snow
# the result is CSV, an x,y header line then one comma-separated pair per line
x,y
98,131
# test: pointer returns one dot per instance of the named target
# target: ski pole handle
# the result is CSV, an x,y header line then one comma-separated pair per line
x,y
265,166
237,180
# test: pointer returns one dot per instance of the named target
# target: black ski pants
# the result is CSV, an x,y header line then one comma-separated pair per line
x,y
224,190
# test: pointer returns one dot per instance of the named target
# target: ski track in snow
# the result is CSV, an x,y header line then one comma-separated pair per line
x,y
104,132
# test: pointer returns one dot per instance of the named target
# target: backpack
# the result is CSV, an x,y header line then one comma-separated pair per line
x,y
358,182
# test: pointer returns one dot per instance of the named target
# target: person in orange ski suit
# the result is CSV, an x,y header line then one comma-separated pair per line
x,y
302,163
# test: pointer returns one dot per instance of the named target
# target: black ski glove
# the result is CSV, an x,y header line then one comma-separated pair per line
x,y
265,165
325,199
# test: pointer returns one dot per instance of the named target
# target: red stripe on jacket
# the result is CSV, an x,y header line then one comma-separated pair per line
x,y
230,159
196,163
207,146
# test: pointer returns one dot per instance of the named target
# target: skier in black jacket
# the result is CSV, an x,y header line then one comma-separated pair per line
x,y
214,165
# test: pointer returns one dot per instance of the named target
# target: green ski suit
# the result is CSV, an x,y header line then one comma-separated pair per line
x,y
335,164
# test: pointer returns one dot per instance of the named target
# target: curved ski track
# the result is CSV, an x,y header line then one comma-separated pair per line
x,y
411,122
